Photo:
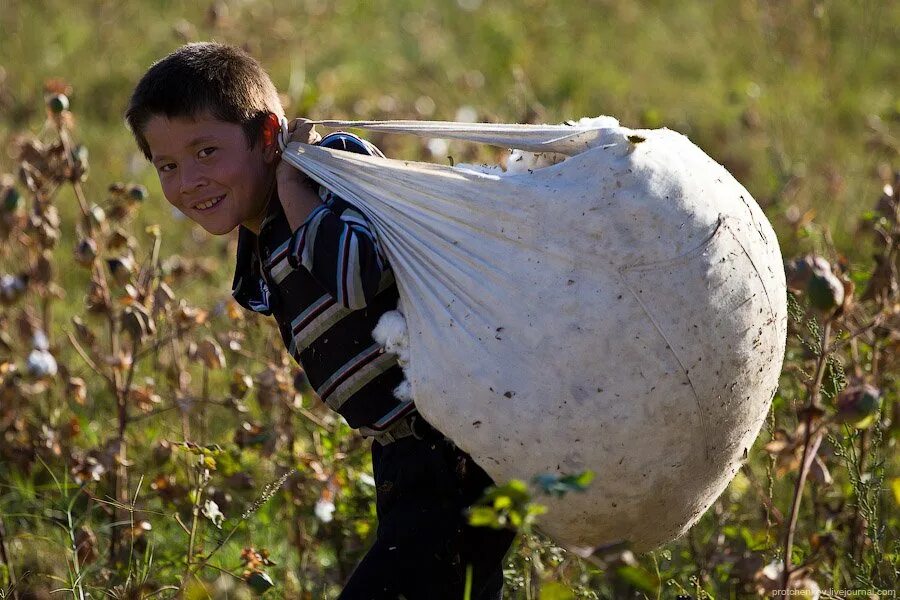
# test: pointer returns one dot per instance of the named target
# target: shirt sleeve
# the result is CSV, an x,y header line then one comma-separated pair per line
x,y
337,246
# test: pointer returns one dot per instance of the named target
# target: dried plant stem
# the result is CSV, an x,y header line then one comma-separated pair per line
x,y
763,496
696,558
4,557
195,517
811,444
75,560
874,322
856,530
287,415
87,359
47,316
204,421
268,491
177,358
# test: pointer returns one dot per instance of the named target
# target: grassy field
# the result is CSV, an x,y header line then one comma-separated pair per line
x,y
798,99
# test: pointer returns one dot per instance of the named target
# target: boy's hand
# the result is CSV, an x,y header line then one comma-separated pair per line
x,y
303,131
294,190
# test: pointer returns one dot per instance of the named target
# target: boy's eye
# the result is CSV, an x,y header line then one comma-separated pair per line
x,y
166,167
206,152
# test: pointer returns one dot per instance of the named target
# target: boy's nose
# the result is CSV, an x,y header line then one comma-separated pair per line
x,y
191,179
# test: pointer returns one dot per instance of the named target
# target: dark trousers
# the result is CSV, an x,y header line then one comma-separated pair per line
x,y
423,543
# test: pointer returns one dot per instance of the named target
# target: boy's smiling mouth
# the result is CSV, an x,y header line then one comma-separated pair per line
x,y
208,204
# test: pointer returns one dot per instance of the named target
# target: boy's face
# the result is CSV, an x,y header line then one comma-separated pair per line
x,y
207,171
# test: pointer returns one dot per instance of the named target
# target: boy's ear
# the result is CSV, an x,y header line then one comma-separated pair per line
x,y
270,130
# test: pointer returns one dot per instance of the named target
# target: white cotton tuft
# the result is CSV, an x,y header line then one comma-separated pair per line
x,y
601,122
324,510
391,333
520,161
403,391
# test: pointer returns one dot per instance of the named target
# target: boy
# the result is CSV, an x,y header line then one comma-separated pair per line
x,y
207,116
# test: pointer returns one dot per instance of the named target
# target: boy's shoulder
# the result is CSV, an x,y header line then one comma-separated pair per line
x,y
249,287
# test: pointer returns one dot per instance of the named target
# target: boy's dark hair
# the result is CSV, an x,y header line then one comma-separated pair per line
x,y
221,80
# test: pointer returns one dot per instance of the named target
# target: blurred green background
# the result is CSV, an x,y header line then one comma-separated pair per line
x,y
792,96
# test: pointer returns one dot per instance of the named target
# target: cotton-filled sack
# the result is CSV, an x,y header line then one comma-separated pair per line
x,y
622,311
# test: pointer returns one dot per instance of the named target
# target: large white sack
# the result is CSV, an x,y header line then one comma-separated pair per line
x,y
623,311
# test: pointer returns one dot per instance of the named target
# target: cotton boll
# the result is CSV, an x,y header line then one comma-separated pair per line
x,y
403,391
438,147
391,332
466,114
601,122
11,288
41,363
324,510
211,511
39,341
520,161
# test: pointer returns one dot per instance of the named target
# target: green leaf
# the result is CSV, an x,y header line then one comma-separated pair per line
x,y
554,590
515,519
483,516
639,578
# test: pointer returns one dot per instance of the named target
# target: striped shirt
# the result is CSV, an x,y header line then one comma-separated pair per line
x,y
327,284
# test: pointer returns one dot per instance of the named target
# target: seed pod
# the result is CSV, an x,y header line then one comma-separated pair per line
x,y
251,434
88,469
50,216
858,405
83,332
241,383
120,211
58,103
11,288
136,192
259,582
39,340
818,472
210,352
119,362
137,322
12,200
96,215
825,290
188,316
120,239
41,364
86,252
121,268
86,545
233,310
95,301
162,452
79,163
162,297
76,389
144,398
42,273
